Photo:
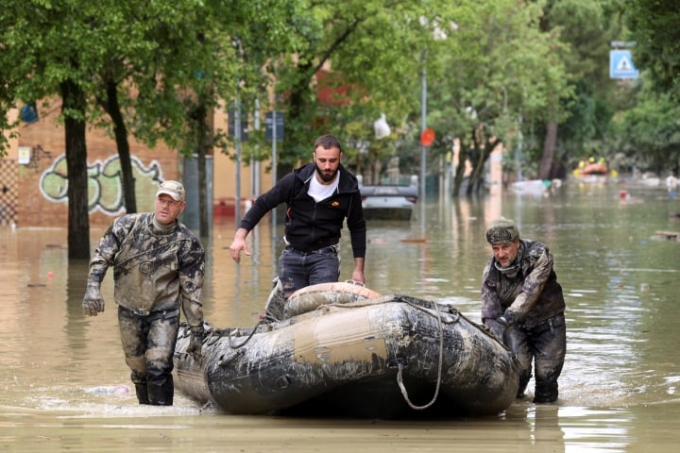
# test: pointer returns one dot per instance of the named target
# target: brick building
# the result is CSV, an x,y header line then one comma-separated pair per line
x,y
33,179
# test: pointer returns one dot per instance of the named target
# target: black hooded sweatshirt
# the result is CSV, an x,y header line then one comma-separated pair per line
x,y
310,225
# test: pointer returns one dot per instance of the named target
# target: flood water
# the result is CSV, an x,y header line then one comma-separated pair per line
x,y
64,386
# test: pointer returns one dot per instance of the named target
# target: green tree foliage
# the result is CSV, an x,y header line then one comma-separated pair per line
x,y
194,55
373,50
587,27
496,71
642,134
48,48
579,24
504,74
655,27
142,68
649,133
7,102
166,73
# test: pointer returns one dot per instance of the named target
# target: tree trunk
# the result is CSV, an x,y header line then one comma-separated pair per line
x,y
73,109
112,107
549,147
477,175
463,156
476,160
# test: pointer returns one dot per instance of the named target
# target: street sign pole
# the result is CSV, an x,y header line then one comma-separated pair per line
x,y
254,161
274,165
423,148
237,130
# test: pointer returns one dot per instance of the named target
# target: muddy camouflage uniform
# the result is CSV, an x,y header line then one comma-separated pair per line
x,y
528,301
155,273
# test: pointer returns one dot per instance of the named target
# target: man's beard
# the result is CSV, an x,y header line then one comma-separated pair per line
x,y
325,177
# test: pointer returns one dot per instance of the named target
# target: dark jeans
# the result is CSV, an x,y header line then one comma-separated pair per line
x,y
546,345
298,269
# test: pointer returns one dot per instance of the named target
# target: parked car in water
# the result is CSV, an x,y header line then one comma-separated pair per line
x,y
389,201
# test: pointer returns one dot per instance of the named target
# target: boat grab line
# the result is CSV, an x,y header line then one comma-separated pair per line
x,y
400,380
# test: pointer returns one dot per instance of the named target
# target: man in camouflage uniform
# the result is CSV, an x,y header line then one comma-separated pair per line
x,y
523,305
158,267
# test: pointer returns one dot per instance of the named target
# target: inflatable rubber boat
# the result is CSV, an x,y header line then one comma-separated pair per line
x,y
346,351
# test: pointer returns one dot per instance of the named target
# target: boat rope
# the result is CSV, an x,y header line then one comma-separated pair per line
x,y
231,339
228,334
395,298
440,366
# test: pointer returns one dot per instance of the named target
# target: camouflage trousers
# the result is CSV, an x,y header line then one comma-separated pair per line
x,y
149,344
546,346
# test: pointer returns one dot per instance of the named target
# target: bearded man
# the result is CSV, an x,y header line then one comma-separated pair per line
x,y
319,197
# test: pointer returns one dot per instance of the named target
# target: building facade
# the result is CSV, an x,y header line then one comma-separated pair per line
x,y
34,180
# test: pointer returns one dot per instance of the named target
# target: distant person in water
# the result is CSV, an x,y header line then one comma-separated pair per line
x,y
672,184
523,305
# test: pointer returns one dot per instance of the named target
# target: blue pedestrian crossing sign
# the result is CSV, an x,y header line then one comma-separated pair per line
x,y
621,65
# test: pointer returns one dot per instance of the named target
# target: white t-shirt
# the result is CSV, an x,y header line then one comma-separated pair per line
x,y
320,191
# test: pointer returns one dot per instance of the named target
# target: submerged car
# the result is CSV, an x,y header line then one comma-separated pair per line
x,y
389,201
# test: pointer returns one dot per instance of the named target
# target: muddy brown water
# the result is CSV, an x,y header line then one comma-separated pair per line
x,y
64,386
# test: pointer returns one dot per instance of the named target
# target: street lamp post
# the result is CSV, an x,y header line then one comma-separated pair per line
x,y
237,145
237,139
438,34
519,157
423,148
423,126
254,162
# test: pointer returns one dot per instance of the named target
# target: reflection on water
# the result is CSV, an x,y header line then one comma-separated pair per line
x,y
63,376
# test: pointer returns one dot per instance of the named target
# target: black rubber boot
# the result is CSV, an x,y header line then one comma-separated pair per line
x,y
142,394
546,393
160,388
524,377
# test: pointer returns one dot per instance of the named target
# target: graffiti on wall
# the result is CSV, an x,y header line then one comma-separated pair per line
x,y
35,154
104,183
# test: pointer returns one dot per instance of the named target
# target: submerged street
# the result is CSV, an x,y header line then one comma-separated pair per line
x,y
65,386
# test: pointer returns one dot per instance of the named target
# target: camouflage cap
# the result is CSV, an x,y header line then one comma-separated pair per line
x,y
502,230
173,188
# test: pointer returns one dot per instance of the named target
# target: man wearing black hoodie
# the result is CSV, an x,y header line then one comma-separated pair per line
x,y
319,197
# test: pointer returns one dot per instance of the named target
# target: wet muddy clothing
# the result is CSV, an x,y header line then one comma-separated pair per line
x,y
545,344
154,271
312,225
529,297
149,346
157,271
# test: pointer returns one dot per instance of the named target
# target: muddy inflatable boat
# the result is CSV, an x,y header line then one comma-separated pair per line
x,y
347,351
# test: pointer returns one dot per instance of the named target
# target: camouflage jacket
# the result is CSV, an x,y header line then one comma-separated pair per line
x,y
153,271
531,296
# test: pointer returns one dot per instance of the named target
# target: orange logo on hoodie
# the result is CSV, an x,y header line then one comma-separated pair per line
x,y
335,204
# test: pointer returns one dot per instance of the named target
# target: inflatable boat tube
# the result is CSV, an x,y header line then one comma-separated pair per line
x,y
313,297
